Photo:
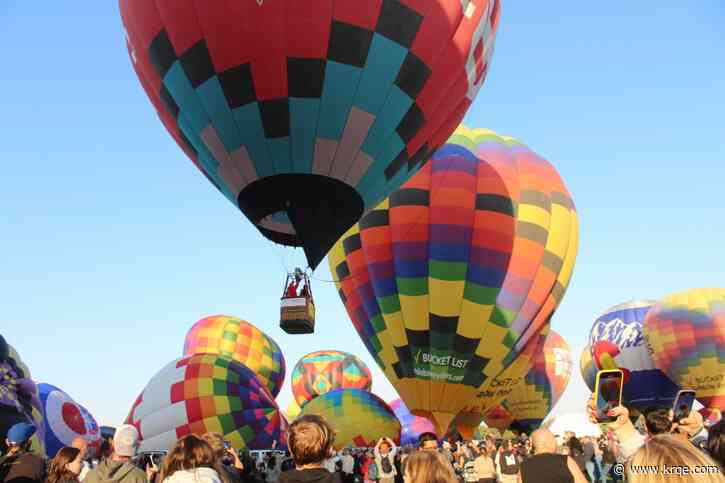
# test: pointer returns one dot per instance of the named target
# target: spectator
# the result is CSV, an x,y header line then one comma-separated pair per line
x,y
428,467
428,442
658,421
119,468
191,460
384,460
273,469
716,443
82,445
310,439
484,468
19,465
507,463
66,466
589,457
348,467
227,462
609,459
546,465
667,450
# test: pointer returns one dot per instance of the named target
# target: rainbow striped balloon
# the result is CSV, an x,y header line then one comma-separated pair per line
x,y
449,279
320,372
243,342
412,426
359,417
686,332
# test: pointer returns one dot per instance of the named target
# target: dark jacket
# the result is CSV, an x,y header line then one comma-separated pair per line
x,y
314,475
116,472
22,468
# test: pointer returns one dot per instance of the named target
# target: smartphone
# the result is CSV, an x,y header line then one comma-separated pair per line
x,y
227,445
683,404
608,393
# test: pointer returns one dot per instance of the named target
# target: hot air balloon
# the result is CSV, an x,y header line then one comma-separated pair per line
x,y
66,420
323,371
359,418
243,342
206,393
587,368
532,400
412,426
19,398
686,335
498,418
617,342
293,410
449,279
307,114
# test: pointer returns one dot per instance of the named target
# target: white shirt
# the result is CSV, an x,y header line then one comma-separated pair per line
x,y
330,463
348,464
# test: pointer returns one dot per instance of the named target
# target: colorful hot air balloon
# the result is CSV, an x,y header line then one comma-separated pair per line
x,y
323,371
532,400
66,420
498,418
19,398
206,393
359,418
412,426
617,342
686,335
243,342
587,368
307,114
293,410
450,277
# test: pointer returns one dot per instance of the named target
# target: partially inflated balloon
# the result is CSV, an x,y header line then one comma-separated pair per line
x,y
307,114
543,385
206,393
358,417
587,368
320,372
498,418
19,398
66,420
686,334
449,279
617,342
243,342
293,410
412,426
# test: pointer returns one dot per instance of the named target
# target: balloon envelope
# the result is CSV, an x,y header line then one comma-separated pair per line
x,y
448,280
412,426
358,417
307,114
686,334
320,372
617,342
498,418
66,420
243,342
587,368
206,393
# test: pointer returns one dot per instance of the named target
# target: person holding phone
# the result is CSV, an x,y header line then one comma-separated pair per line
x,y
228,465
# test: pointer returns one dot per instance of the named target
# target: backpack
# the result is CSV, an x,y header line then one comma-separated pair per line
x,y
385,464
372,471
509,464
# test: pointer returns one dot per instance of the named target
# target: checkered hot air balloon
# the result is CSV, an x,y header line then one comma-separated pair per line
x,y
323,371
66,420
449,279
206,393
412,426
686,334
531,401
243,342
306,114
359,418
617,342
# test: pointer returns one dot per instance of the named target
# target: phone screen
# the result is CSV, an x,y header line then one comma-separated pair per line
x,y
683,405
609,393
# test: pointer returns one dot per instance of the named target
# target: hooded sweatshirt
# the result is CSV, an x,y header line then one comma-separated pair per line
x,y
198,475
313,475
116,472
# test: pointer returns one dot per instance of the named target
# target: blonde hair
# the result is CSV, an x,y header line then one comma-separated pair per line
x,y
666,452
428,467
216,441
310,439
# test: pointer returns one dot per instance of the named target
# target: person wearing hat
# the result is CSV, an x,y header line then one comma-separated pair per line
x,y
119,468
20,465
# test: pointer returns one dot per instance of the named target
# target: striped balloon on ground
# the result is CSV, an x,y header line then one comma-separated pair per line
x,y
323,371
450,279
243,342
686,334
305,114
206,393
359,418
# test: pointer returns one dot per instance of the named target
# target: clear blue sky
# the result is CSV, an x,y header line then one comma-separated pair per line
x,y
114,244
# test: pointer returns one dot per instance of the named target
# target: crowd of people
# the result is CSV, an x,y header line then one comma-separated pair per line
x,y
542,457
